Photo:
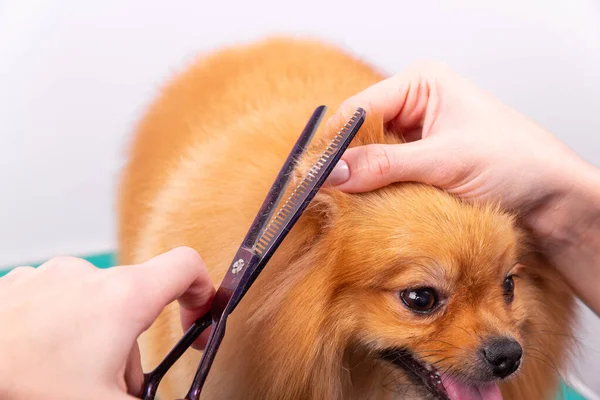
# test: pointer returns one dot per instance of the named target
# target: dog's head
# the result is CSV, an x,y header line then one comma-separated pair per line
x,y
410,289
436,287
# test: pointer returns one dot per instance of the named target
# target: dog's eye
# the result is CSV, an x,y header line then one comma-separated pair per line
x,y
421,300
509,288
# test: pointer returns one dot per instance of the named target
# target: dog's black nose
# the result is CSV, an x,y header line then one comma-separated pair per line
x,y
503,355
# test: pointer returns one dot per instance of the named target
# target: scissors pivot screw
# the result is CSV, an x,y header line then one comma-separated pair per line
x,y
238,266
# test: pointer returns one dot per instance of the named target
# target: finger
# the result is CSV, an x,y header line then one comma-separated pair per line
x,y
17,273
190,315
200,343
410,99
373,166
179,274
134,375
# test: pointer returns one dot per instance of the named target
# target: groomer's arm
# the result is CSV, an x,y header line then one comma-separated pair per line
x,y
463,140
69,330
570,232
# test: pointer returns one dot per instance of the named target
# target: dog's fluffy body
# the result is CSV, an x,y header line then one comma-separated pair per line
x,y
313,324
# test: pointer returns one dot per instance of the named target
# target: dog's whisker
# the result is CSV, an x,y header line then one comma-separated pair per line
x,y
579,341
446,343
435,363
550,364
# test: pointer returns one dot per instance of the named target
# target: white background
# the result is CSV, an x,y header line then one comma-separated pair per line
x,y
75,75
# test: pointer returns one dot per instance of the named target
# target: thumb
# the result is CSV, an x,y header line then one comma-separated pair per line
x,y
372,166
179,274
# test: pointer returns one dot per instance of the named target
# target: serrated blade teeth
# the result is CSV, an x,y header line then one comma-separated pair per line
x,y
279,220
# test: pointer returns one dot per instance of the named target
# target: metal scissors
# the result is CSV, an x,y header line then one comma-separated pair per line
x,y
262,239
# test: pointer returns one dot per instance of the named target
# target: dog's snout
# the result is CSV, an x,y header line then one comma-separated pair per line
x,y
503,355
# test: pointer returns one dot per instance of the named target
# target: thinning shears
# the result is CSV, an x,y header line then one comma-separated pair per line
x,y
264,237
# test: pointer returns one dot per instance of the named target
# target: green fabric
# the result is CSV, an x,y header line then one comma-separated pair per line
x,y
568,393
107,260
100,260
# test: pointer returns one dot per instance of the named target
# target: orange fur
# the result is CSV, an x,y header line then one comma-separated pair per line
x,y
202,161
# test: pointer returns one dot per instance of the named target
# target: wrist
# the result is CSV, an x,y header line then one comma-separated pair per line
x,y
573,215
567,230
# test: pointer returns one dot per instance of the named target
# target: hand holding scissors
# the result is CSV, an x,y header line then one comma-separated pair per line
x,y
263,238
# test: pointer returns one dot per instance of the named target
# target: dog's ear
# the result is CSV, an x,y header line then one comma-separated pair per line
x,y
329,202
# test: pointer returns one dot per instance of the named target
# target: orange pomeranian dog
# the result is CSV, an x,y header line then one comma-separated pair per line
x,y
401,293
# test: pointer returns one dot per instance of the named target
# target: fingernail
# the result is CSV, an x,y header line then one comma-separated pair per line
x,y
339,174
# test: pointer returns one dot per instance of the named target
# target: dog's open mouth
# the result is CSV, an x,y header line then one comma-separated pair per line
x,y
442,386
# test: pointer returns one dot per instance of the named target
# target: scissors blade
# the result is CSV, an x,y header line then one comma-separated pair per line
x,y
255,259
283,178
246,255
289,213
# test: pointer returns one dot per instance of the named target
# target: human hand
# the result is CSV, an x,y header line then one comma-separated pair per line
x,y
468,143
69,329
462,140
472,145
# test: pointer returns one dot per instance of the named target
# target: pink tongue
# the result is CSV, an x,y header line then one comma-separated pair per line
x,y
461,391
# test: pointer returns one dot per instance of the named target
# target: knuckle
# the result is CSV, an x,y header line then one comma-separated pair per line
x,y
65,262
377,160
20,271
190,255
